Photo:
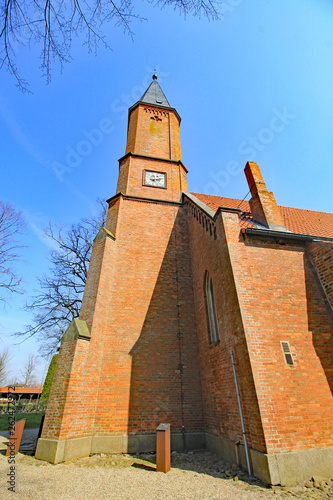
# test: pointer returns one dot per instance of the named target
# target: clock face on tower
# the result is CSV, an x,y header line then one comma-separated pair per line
x,y
154,179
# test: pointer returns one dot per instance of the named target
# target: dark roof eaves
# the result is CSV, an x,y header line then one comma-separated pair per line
x,y
268,233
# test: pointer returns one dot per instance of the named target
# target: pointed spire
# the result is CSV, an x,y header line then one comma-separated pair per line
x,y
154,94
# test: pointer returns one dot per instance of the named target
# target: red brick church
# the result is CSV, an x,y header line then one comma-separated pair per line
x,y
177,281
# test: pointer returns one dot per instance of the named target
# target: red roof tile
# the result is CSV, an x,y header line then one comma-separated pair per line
x,y
297,220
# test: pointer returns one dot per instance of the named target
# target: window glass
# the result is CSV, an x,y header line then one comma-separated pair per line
x,y
211,309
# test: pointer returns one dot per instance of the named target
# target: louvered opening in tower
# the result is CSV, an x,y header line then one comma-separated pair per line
x,y
287,353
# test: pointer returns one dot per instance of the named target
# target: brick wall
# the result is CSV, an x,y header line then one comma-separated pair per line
x,y
111,223
132,178
154,131
321,257
140,383
124,166
221,410
73,397
265,292
138,297
58,418
281,300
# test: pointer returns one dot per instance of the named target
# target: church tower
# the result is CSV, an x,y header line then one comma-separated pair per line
x,y
131,361
153,156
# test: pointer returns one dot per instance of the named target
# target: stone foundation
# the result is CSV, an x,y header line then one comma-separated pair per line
x,y
286,469
55,451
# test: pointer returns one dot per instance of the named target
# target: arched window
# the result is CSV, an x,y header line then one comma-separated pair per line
x,y
211,309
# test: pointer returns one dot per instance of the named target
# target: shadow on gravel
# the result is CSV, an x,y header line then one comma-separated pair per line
x,y
204,462
143,466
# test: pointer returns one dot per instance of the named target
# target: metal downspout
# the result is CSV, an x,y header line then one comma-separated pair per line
x,y
241,415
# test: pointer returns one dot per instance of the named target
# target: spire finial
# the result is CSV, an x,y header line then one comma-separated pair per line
x,y
154,94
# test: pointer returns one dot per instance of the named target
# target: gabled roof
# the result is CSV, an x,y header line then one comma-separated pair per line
x,y
296,220
155,95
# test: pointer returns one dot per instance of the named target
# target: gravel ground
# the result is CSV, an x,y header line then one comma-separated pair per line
x,y
193,476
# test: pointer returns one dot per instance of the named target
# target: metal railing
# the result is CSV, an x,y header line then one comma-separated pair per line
x,y
25,408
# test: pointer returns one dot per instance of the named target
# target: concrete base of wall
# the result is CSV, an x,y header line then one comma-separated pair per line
x,y
289,469
55,451
286,469
228,450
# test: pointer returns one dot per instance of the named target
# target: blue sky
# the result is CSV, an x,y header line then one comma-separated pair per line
x,y
256,85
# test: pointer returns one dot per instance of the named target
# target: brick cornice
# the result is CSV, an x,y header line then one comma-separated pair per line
x,y
157,106
145,157
142,198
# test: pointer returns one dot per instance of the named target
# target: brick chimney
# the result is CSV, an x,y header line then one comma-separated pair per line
x,y
263,205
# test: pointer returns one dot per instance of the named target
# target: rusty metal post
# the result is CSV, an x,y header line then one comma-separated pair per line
x,y
163,451
15,438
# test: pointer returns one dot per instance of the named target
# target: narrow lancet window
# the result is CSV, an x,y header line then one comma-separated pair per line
x,y
211,309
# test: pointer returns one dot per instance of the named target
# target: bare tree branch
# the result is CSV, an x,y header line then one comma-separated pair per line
x,y
5,358
208,8
52,24
29,370
58,300
11,224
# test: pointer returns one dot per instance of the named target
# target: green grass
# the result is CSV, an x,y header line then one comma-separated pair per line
x,y
32,420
